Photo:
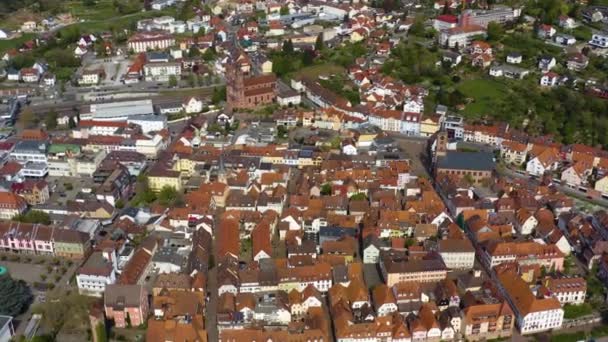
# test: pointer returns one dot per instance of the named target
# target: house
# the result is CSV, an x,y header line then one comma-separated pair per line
x,y
508,71
568,290
29,26
514,58
496,252
546,63
564,39
49,80
546,161
513,152
451,58
91,77
577,61
577,174
98,271
11,205
126,305
487,320
33,191
601,185
30,75
192,105
457,253
599,40
525,222
566,22
532,314
545,31
384,300
549,79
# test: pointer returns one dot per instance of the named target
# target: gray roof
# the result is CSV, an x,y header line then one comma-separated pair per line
x,y
478,161
121,296
121,109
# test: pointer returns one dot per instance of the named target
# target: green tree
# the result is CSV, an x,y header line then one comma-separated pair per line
x,y
27,118
50,121
192,80
495,32
308,57
358,197
33,216
326,189
219,95
281,131
172,81
417,28
168,195
210,54
71,122
15,296
120,204
319,45
284,10
288,47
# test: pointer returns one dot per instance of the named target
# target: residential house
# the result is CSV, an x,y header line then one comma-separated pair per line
x,y
126,305
457,253
546,161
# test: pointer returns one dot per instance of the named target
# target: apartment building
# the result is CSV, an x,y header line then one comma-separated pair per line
x,y
457,253
495,253
142,42
568,290
162,71
533,315
397,269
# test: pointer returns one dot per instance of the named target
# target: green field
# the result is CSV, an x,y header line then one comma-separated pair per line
x,y
318,70
8,44
485,93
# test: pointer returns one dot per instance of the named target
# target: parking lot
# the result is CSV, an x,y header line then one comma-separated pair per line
x,y
65,189
114,68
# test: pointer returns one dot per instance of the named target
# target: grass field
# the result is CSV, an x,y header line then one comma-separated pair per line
x,y
318,70
485,94
15,43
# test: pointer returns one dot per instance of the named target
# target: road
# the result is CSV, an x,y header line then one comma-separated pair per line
x,y
568,191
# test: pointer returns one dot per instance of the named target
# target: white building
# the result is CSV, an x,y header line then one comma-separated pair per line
x,y
533,314
460,36
457,254
549,79
149,123
600,40
192,105
568,290
162,72
97,272
142,42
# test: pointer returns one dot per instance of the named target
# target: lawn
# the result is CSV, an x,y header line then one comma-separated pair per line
x,y
485,94
102,9
15,43
576,311
318,70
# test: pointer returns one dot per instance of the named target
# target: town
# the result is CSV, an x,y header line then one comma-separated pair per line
x,y
349,171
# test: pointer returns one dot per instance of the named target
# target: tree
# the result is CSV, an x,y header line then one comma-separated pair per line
x,y
50,121
71,122
288,47
219,95
172,81
120,204
308,57
15,296
326,189
319,45
358,197
284,10
191,80
281,131
168,195
88,3
495,32
26,118
446,8
209,54
417,28
33,216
